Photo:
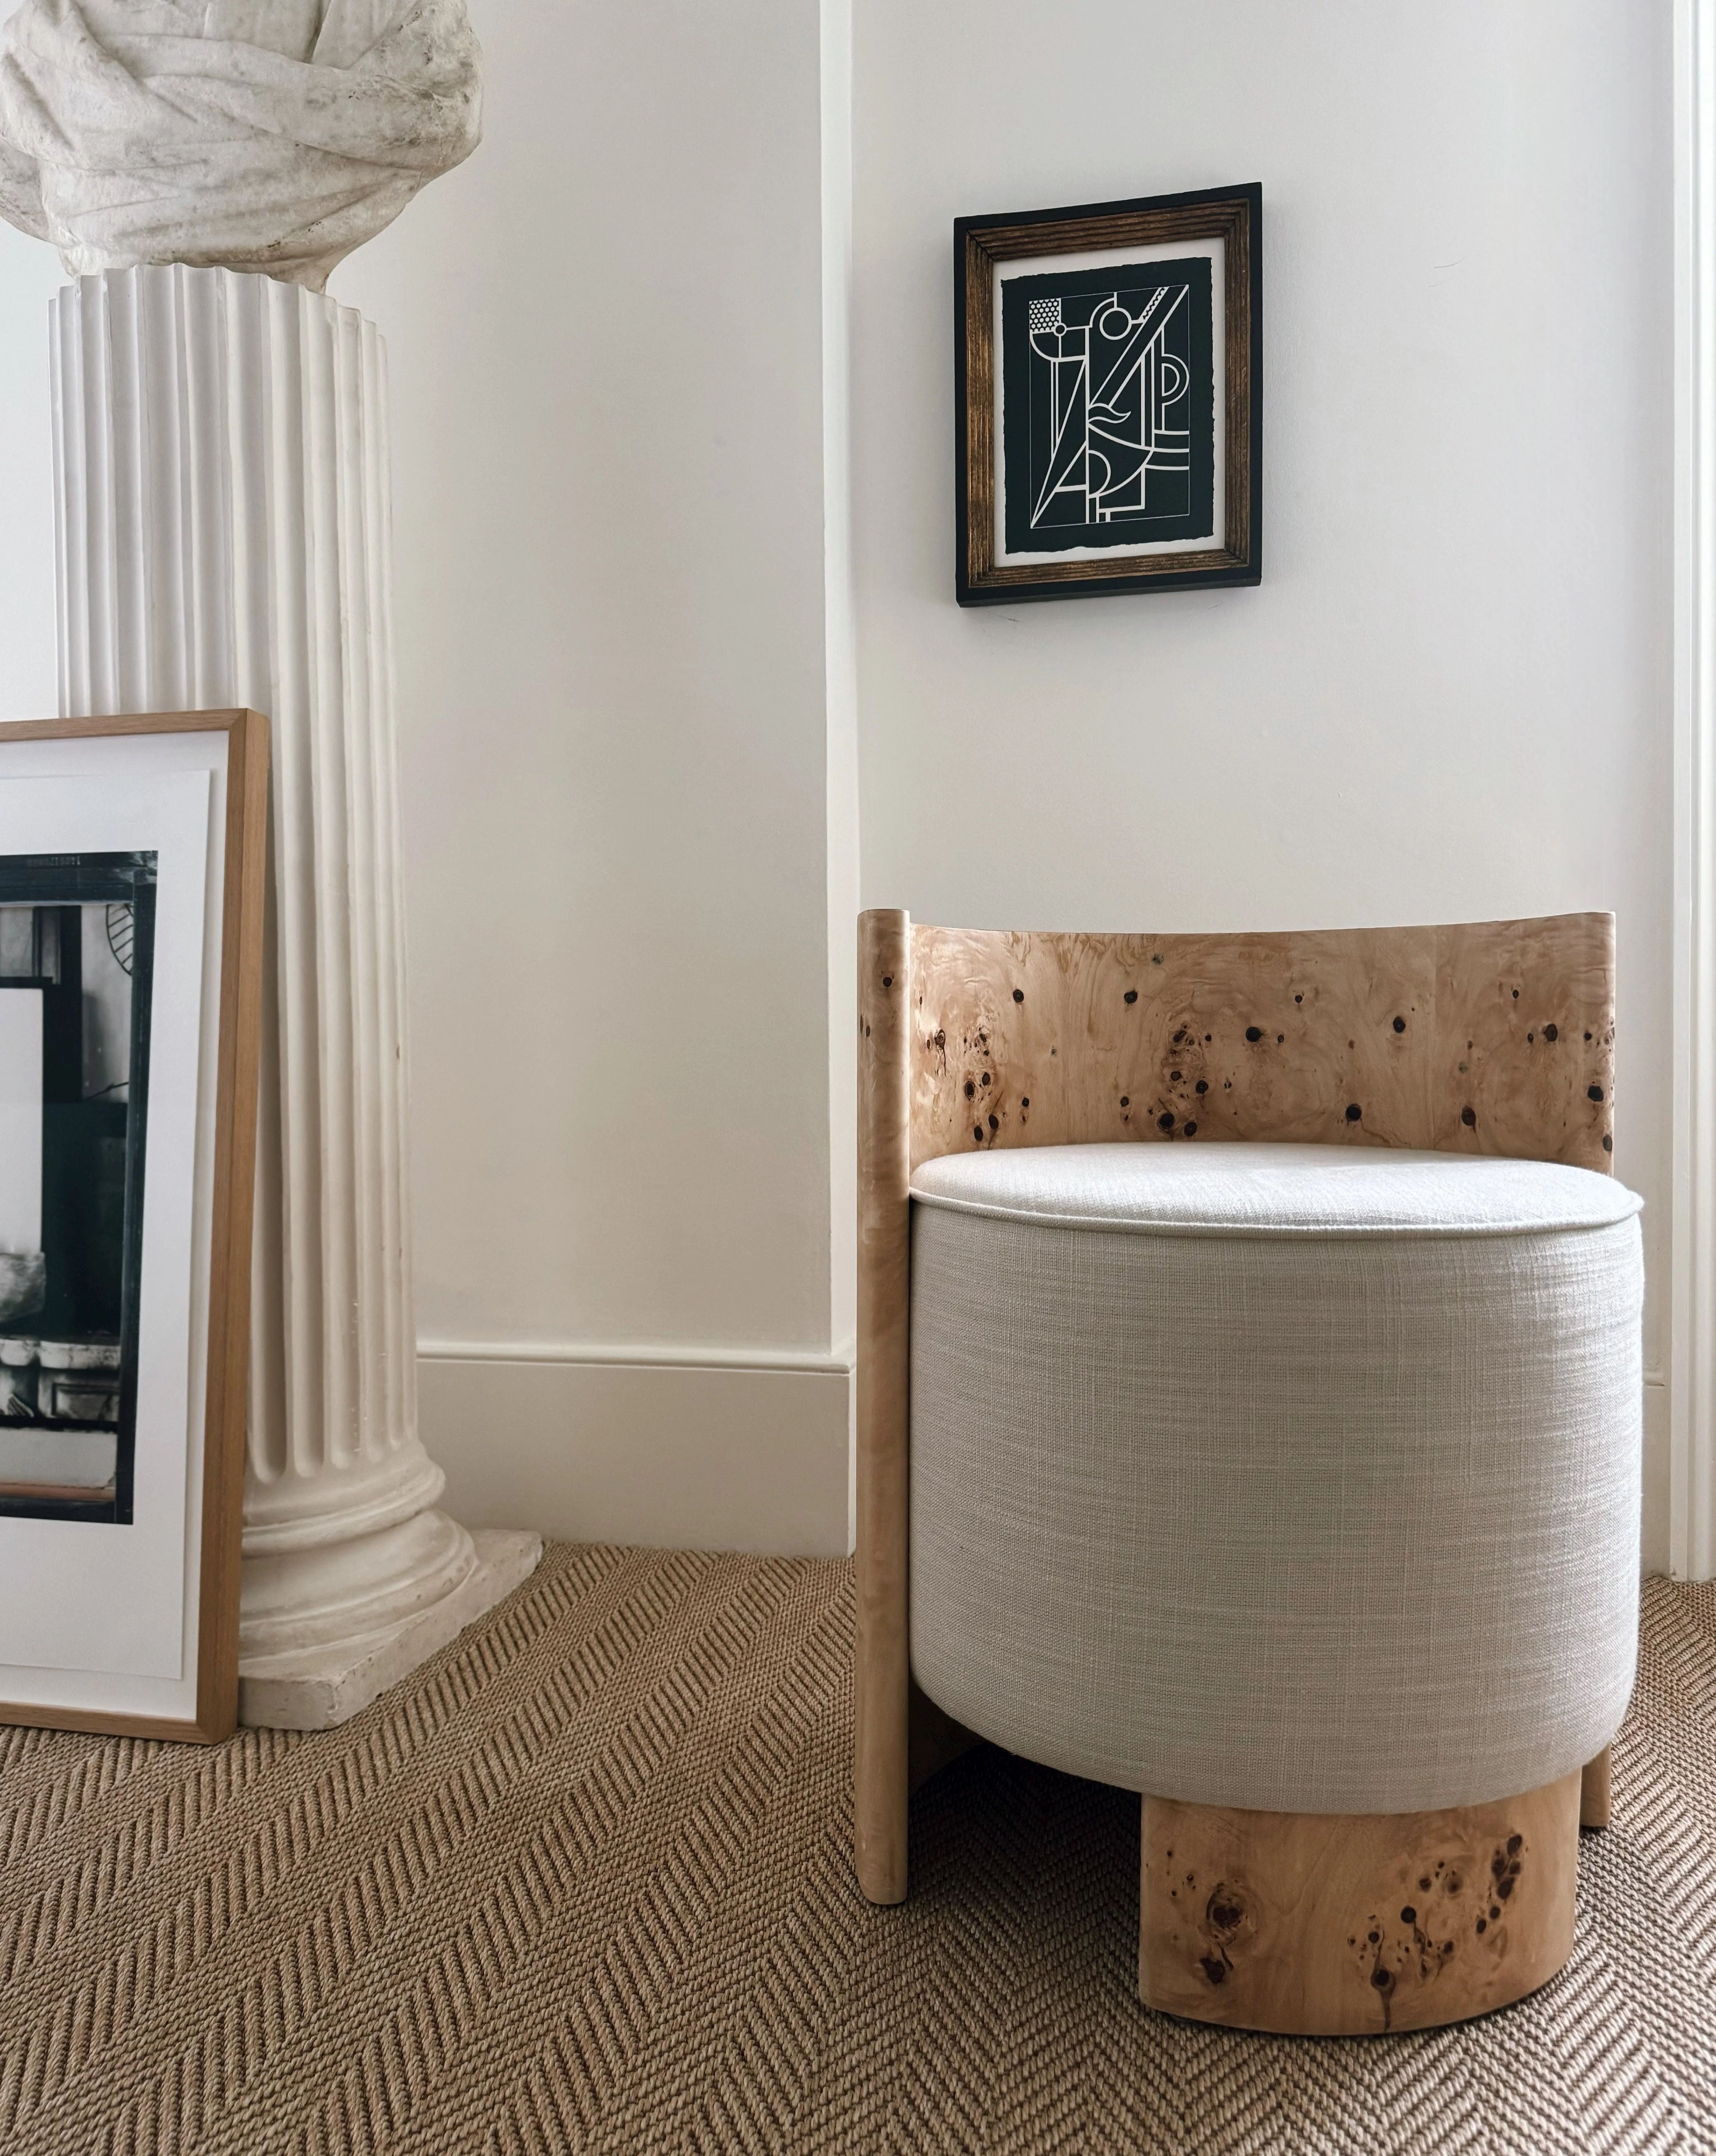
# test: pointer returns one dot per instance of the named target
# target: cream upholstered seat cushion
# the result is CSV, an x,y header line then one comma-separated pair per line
x,y
1291,1477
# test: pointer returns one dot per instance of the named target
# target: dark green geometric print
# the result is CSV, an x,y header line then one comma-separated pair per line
x,y
1107,406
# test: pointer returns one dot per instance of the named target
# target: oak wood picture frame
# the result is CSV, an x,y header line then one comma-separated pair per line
x,y
232,1194
1234,216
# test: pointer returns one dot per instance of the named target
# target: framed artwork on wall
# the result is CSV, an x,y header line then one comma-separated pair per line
x,y
1109,397
131,865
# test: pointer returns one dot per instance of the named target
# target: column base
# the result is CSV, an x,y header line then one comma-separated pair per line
x,y
1309,1924
322,1685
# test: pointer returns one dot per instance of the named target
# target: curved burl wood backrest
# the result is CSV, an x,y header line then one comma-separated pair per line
x,y
1496,1037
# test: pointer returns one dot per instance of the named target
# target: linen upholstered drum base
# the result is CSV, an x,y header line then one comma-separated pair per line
x,y
1298,1478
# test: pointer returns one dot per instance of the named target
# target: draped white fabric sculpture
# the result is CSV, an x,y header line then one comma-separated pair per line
x,y
264,134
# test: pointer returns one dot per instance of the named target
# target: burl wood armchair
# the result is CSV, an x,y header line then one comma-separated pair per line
x,y
1490,1041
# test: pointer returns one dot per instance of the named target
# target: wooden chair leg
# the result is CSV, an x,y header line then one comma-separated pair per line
x,y
1324,1925
882,1672
1594,1792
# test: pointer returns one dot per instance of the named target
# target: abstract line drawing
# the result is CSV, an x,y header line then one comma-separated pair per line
x,y
1108,407
1117,406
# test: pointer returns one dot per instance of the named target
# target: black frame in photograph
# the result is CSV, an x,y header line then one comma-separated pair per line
x,y
1160,490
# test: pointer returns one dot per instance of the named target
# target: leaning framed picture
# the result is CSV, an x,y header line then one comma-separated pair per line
x,y
1109,395
131,866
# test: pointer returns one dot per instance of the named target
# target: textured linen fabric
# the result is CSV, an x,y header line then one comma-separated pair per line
x,y
1304,1479
1274,1190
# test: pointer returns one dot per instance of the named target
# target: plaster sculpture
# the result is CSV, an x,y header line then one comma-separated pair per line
x,y
261,135
268,582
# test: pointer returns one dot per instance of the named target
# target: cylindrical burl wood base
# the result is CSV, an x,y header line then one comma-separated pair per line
x,y
1324,1925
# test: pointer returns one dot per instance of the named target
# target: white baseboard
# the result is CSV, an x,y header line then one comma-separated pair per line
x,y
677,1448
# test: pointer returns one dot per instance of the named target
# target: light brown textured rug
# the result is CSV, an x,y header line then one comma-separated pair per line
x,y
583,1884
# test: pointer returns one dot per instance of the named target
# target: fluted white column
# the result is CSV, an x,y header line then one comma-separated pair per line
x,y
221,463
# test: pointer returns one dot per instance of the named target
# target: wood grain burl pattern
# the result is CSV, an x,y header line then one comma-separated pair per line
x,y
882,1672
1495,1037
1314,1925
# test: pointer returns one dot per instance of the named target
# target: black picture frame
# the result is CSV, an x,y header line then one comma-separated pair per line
x,y
1142,534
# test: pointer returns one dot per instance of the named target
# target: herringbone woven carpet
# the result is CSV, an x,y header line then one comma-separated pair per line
x,y
583,1884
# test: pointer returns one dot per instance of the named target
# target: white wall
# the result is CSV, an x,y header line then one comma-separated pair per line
x,y
605,338
605,341
1450,697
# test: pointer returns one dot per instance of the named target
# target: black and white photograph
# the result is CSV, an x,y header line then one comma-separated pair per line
x,y
1108,394
77,939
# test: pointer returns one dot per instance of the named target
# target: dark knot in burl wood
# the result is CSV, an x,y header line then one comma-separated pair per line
x,y
1225,1911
